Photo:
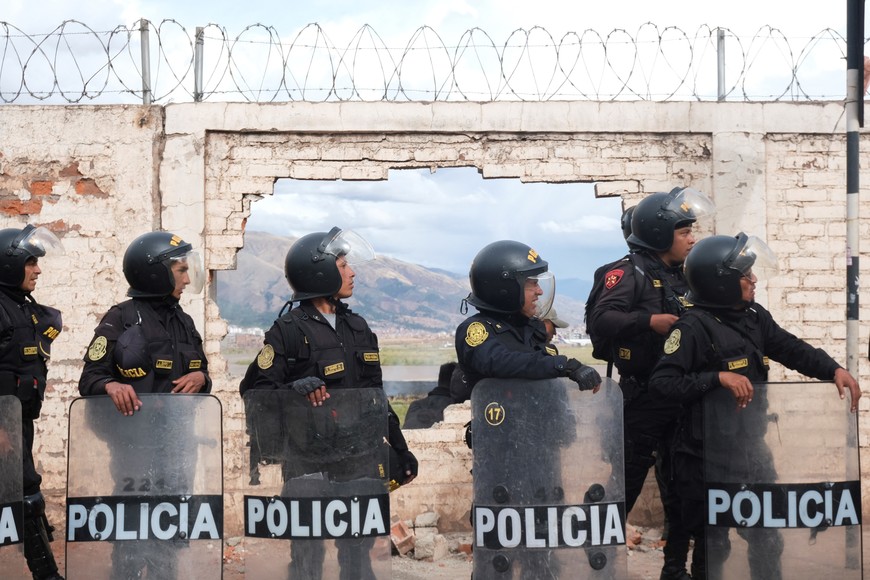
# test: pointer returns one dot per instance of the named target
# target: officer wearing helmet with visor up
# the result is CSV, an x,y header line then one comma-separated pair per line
x,y
27,330
315,350
148,344
512,289
724,340
641,298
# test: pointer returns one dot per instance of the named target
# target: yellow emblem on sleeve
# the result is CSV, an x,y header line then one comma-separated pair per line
x,y
476,334
672,344
266,357
97,350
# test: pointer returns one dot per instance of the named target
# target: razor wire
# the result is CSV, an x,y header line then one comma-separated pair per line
x,y
165,62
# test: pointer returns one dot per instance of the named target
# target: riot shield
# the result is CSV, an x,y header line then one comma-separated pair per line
x,y
318,504
782,484
11,489
549,488
145,492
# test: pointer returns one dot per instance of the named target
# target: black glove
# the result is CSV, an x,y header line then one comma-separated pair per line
x,y
586,377
401,462
306,385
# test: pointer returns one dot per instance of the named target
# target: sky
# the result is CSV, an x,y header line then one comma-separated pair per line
x,y
452,212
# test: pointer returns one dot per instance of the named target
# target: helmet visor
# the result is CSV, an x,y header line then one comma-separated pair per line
x,y
753,255
692,204
351,245
39,241
195,270
547,282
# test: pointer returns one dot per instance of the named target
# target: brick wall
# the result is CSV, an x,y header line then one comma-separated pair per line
x,y
99,176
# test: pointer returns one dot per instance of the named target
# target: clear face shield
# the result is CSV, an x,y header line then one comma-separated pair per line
x,y
38,242
547,283
349,244
195,270
753,256
692,204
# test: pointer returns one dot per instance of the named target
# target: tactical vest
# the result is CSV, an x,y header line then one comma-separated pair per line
x,y
158,360
22,355
321,353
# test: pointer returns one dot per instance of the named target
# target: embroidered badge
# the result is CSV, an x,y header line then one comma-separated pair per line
x,y
672,344
612,278
476,334
333,368
266,357
97,350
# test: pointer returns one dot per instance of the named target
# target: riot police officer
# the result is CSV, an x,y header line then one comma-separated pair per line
x,y
641,298
512,290
27,330
725,325
148,344
321,346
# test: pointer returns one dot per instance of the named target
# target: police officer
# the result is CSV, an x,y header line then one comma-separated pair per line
x,y
320,346
641,299
148,344
726,325
27,330
512,290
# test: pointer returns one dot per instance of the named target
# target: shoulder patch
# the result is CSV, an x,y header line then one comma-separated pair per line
x,y
97,350
266,357
672,344
476,334
613,277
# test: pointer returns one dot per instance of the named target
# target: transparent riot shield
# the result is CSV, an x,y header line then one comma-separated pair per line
x,y
549,489
317,505
145,492
783,484
11,490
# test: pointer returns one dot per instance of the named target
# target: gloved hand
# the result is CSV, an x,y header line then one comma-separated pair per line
x,y
403,467
585,376
306,385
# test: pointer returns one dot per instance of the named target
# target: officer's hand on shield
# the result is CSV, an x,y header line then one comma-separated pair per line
x,y
189,383
740,386
844,380
312,388
124,396
403,467
586,377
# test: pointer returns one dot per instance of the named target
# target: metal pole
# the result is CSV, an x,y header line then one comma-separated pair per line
x,y
146,61
854,121
197,65
720,62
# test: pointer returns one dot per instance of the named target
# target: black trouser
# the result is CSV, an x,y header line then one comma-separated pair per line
x,y
649,424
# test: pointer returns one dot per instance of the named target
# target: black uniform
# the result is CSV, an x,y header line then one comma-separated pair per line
x,y
701,344
623,313
303,343
168,347
27,330
146,343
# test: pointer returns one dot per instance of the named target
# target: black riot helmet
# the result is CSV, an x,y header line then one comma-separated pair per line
x,y
626,222
310,266
657,216
716,264
498,277
148,265
19,245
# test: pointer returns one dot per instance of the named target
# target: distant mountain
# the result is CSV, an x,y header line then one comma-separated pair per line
x,y
394,296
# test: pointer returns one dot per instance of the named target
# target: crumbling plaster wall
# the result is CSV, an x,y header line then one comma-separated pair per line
x,y
100,176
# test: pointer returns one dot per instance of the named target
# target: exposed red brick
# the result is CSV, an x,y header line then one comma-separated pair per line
x,y
71,170
41,187
61,227
18,207
89,187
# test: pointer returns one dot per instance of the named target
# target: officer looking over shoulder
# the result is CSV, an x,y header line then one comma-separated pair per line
x,y
512,290
27,330
725,325
148,344
641,299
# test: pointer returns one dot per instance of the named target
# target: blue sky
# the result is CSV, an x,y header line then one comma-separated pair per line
x,y
452,213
